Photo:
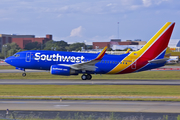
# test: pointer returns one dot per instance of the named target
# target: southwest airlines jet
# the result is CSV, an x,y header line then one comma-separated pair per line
x,y
150,56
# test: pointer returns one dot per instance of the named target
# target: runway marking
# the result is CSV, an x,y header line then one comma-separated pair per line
x,y
61,105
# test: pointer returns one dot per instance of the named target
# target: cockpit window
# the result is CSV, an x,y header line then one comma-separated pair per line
x,y
16,55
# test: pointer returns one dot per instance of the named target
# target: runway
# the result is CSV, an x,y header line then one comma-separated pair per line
x,y
103,106
88,82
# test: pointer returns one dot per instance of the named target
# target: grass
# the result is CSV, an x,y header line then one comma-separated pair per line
x,y
133,91
146,75
175,53
2,67
53,90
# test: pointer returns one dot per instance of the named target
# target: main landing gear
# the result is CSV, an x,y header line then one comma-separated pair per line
x,y
86,77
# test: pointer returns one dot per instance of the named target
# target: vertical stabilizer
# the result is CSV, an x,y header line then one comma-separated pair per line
x,y
154,49
156,46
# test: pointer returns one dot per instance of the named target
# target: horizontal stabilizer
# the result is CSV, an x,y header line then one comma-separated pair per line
x,y
159,60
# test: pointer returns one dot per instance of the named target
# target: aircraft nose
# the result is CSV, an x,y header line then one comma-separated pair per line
x,y
8,60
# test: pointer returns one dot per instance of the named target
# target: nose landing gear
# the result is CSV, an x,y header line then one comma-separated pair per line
x,y
24,74
86,77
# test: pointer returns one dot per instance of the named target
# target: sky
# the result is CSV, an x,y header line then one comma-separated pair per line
x,y
89,20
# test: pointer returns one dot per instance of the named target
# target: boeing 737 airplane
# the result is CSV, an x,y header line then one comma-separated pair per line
x,y
150,56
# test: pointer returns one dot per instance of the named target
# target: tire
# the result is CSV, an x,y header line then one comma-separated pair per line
x,y
84,77
89,76
24,74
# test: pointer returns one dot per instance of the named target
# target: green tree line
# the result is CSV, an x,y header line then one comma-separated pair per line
x,y
11,48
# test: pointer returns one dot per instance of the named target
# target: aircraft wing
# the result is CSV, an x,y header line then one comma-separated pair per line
x,y
89,65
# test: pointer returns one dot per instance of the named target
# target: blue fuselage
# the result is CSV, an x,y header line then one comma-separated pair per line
x,y
42,60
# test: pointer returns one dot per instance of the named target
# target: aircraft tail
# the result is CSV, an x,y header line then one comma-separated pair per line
x,y
152,52
156,46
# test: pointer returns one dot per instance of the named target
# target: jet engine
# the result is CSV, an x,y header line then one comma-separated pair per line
x,y
62,70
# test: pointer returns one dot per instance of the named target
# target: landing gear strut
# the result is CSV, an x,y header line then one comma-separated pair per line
x,y
86,77
24,74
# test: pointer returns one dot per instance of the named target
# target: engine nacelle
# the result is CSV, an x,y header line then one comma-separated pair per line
x,y
62,70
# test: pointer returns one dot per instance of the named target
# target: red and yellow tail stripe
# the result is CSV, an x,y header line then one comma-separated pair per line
x,y
151,50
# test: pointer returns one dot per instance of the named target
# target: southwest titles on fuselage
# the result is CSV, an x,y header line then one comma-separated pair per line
x,y
57,57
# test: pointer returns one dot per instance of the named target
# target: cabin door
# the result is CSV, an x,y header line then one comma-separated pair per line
x,y
133,66
28,57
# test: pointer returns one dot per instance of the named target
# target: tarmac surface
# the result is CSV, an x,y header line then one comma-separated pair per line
x,y
87,115
103,106
87,82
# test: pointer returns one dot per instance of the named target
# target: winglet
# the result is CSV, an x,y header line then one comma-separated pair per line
x,y
101,55
127,51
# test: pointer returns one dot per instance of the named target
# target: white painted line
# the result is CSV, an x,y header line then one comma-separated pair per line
x,y
61,105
